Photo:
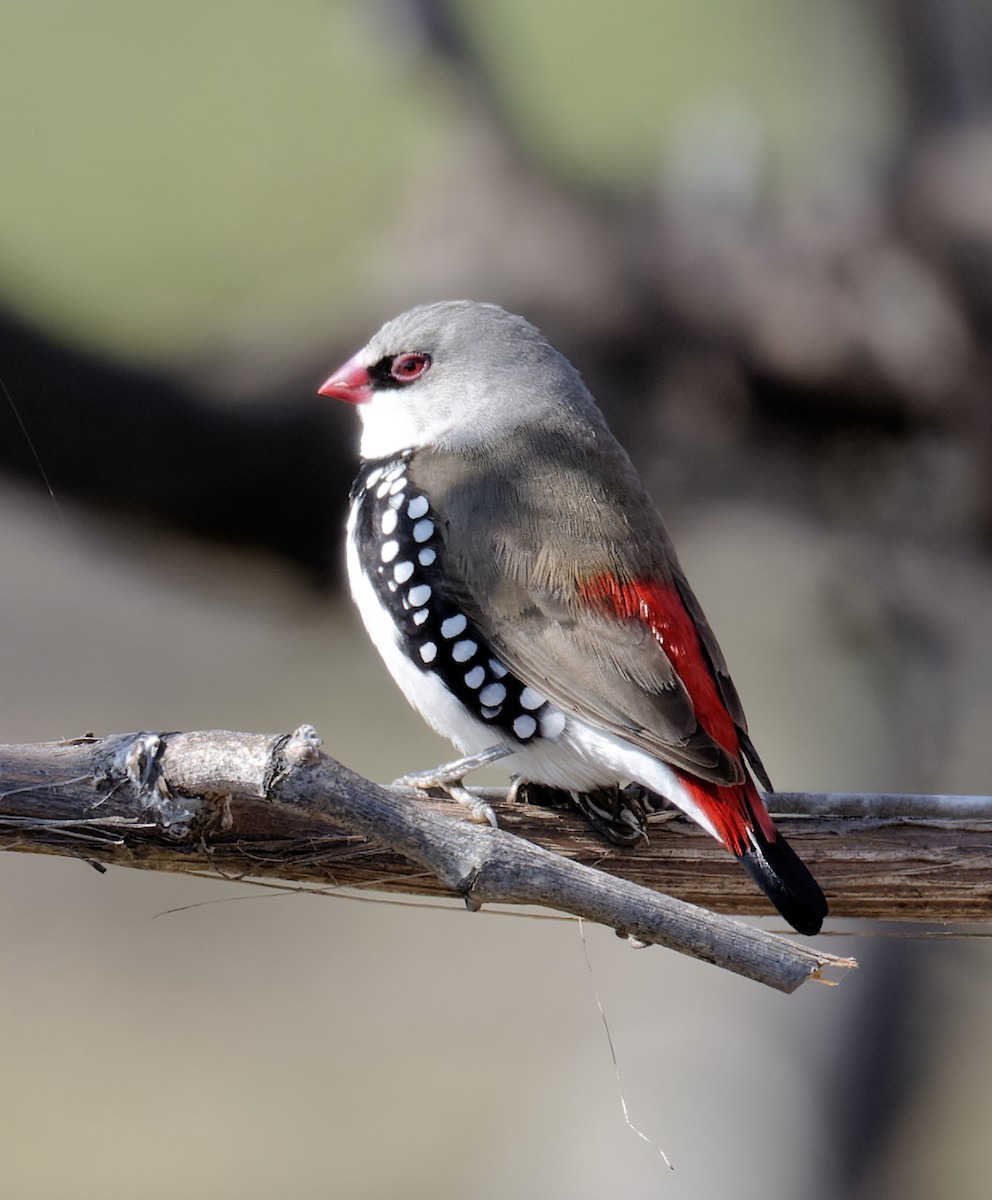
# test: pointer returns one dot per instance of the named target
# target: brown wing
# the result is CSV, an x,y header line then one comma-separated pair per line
x,y
611,673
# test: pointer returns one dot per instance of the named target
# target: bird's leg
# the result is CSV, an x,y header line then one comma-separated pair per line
x,y
453,772
449,778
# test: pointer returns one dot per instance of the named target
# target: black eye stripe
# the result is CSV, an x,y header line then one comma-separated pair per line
x,y
381,374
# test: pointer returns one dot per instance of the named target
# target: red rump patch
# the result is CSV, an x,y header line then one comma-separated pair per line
x,y
733,810
659,606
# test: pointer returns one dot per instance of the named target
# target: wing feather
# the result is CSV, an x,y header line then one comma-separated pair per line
x,y
527,595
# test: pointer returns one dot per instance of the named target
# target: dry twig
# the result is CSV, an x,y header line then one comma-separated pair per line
x,y
252,805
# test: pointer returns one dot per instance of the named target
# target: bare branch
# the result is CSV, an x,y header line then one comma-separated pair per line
x,y
252,805
263,806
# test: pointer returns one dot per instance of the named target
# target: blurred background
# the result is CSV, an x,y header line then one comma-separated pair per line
x,y
763,231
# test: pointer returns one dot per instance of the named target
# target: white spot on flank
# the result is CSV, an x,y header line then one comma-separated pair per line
x,y
397,486
463,651
374,477
488,713
530,699
475,677
426,556
389,520
428,652
382,489
423,530
493,694
451,627
420,616
552,724
419,595
524,726
497,668
396,501
417,507
402,571
389,551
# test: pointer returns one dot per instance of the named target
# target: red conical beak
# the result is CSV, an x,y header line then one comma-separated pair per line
x,y
350,383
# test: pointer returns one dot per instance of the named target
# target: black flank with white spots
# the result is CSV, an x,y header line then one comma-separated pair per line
x,y
401,553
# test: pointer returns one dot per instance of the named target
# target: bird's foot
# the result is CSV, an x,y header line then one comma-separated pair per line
x,y
449,778
617,814
478,809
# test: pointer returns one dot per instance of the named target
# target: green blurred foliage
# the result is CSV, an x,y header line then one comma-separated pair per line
x,y
600,87
165,163
174,171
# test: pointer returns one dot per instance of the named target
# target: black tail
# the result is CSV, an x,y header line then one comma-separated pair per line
x,y
784,878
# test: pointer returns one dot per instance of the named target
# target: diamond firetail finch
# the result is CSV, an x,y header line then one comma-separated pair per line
x,y
524,593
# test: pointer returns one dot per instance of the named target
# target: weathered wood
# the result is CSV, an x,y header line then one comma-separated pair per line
x,y
262,806
918,858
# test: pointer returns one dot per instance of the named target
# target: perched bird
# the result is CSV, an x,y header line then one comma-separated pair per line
x,y
523,590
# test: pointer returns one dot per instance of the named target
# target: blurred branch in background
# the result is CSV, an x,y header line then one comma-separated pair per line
x,y
148,444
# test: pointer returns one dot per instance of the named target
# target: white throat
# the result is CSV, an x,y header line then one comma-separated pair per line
x,y
390,426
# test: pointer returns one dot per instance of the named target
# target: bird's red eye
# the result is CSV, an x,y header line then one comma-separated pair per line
x,y
405,368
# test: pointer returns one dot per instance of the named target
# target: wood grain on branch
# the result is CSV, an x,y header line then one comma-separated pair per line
x,y
273,807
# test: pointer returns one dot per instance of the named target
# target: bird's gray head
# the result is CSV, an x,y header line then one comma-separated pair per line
x,y
457,375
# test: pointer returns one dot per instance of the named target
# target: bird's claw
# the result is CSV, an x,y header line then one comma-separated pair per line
x,y
478,809
449,779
